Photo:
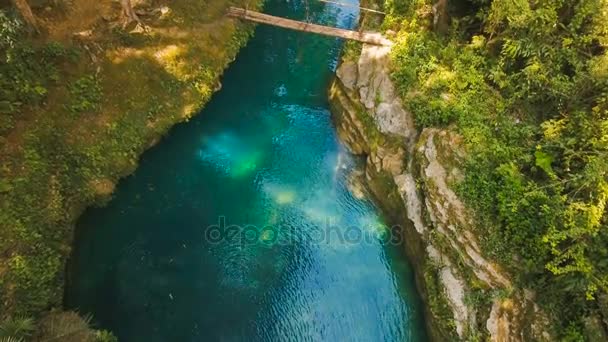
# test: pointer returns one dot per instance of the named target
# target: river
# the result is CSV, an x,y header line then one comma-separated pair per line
x,y
240,224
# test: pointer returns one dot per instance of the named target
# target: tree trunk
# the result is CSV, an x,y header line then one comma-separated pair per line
x,y
128,11
26,13
440,16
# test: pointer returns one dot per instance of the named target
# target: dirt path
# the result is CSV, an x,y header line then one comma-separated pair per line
x,y
79,16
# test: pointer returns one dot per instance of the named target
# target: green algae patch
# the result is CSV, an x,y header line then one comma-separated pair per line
x,y
71,130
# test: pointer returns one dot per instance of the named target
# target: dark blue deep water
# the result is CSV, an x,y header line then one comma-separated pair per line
x,y
240,224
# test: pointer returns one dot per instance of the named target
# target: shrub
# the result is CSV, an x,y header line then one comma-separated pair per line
x,y
85,95
17,328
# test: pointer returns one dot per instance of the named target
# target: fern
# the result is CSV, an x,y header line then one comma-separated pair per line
x,y
17,328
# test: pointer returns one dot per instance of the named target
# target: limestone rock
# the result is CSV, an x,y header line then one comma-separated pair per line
x,y
377,92
424,168
347,73
406,184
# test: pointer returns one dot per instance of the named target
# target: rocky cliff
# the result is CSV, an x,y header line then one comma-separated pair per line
x,y
413,175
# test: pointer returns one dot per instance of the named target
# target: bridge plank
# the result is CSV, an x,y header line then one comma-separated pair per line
x,y
364,37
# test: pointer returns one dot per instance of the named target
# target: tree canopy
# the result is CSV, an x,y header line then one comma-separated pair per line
x,y
526,84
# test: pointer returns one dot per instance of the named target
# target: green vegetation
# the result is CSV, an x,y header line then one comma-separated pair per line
x,y
526,84
437,302
17,328
27,70
54,326
75,114
85,94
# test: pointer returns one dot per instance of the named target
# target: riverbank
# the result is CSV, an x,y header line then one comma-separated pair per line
x,y
83,101
412,174
465,167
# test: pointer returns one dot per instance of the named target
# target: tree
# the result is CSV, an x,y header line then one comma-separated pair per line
x,y
440,16
26,12
129,13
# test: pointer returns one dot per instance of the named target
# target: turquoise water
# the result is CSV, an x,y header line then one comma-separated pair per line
x,y
240,225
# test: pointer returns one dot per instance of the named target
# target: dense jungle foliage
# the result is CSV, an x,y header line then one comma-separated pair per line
x,y
526,84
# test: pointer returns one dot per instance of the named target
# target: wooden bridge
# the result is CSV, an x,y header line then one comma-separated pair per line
x,y
364,37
